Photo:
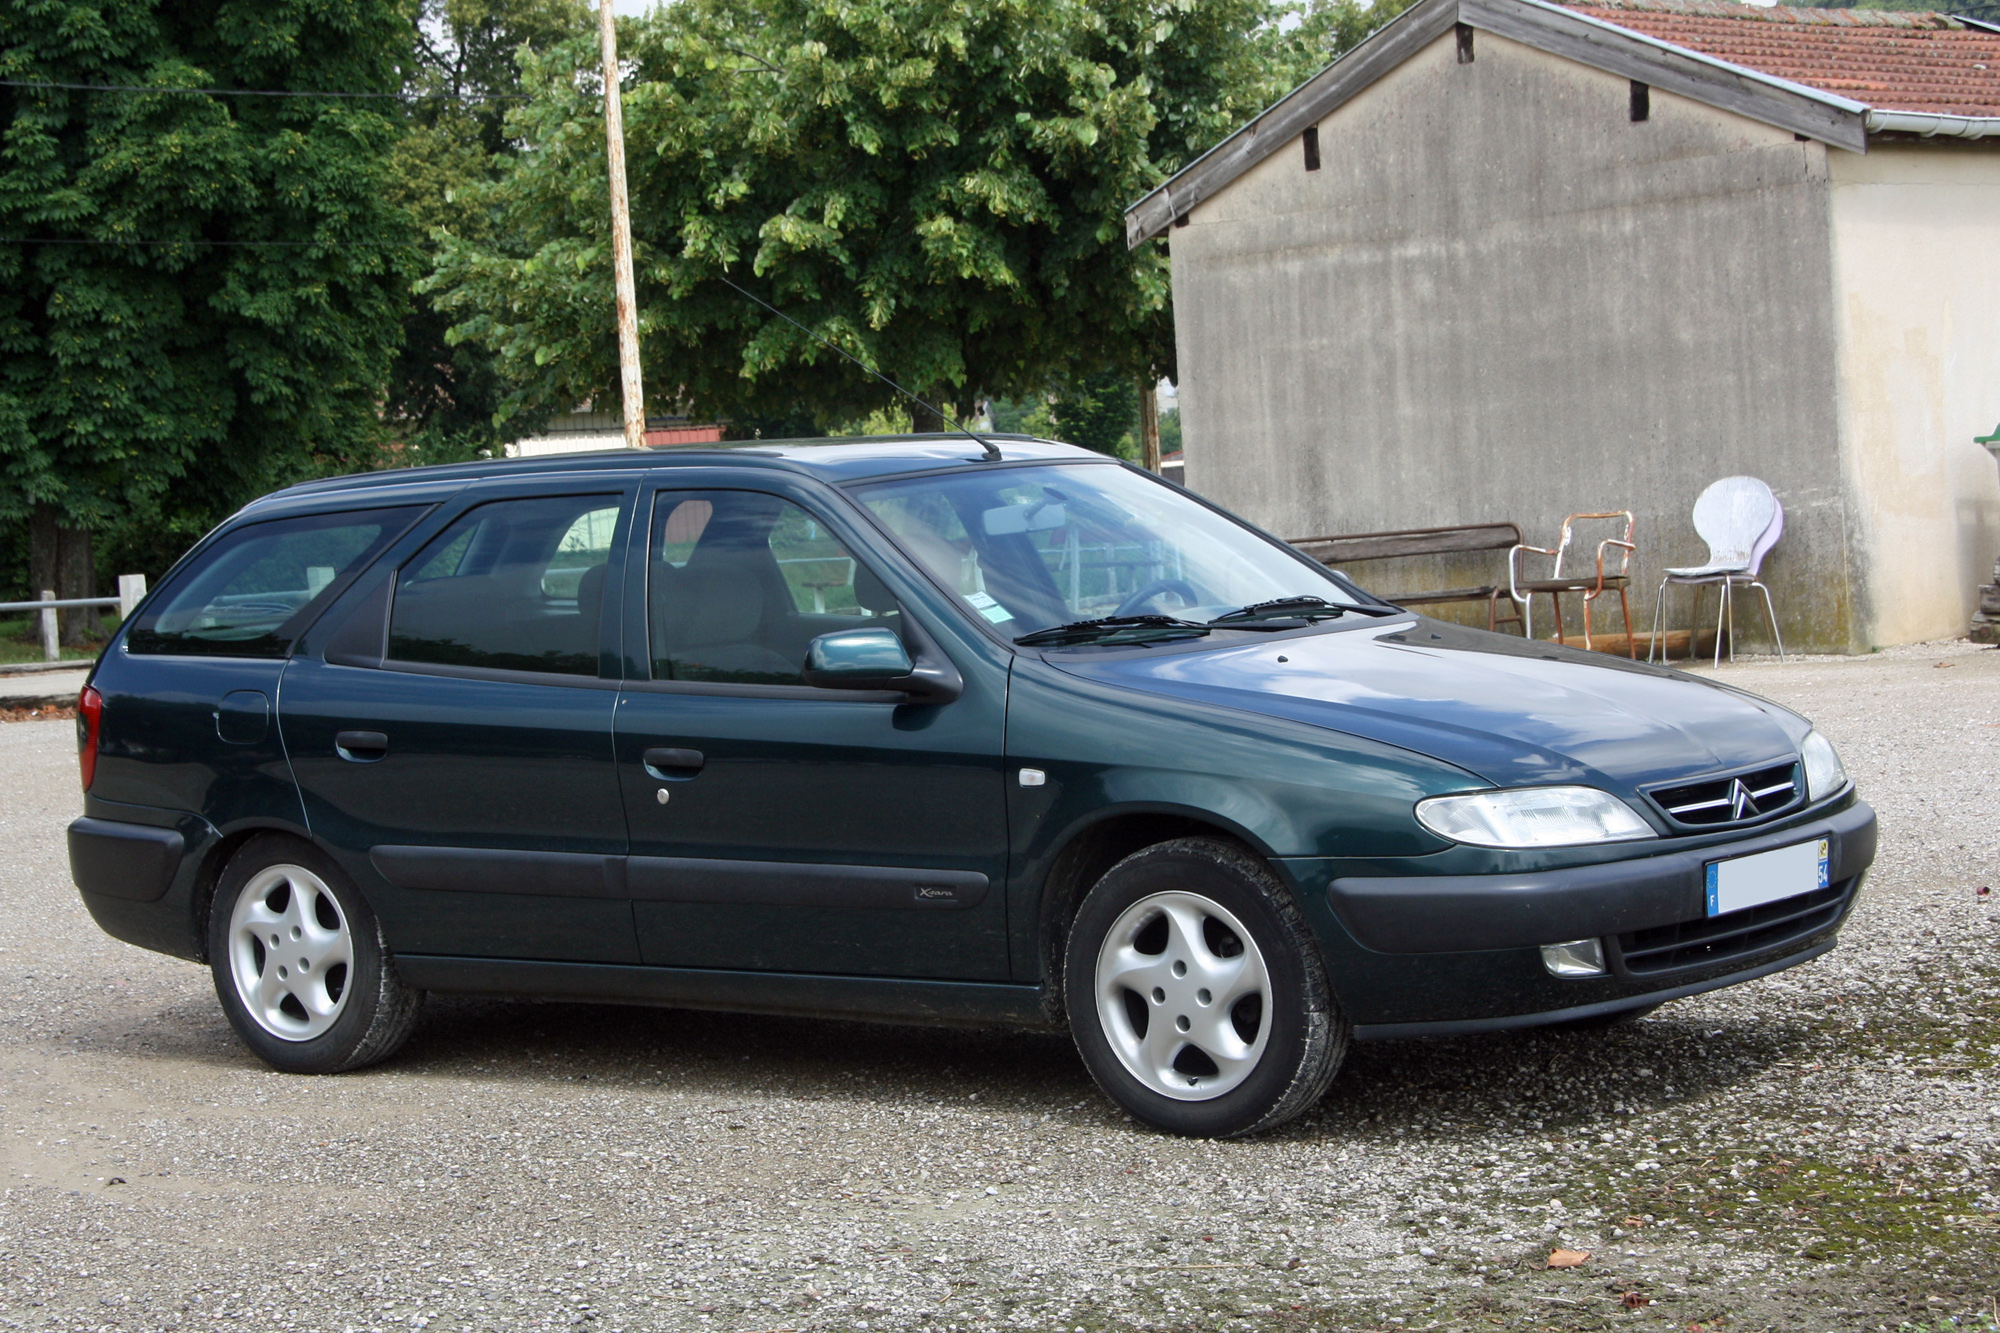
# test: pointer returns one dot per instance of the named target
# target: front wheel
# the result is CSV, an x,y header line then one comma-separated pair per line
x,y
1196,993
300,964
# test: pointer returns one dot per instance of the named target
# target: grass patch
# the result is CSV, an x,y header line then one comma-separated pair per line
x,y
21,637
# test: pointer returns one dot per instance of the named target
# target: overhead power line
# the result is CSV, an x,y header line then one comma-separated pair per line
x,y
255,92
66,240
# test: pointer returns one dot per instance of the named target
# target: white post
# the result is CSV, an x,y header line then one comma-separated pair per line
x,y
621,238
51,646
131,591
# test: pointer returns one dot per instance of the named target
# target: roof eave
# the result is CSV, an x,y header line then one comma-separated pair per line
x,y
1824,116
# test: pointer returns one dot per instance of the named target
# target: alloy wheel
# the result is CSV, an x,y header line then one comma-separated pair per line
x,y
290,952
1183,996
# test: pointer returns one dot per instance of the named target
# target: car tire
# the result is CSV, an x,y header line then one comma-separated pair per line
x,y
1197,994
300,964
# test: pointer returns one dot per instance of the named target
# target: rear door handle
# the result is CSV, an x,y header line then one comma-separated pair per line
x,y
361,747
668,764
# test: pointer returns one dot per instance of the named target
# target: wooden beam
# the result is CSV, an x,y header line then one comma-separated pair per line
x,y
1417,541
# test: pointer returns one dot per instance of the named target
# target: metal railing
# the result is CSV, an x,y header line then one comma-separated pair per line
x,y
131,590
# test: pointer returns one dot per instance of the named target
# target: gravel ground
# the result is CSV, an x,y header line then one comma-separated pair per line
x,y
1816,1151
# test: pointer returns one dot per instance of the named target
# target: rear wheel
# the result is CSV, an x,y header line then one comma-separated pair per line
x,y
1196,993
300,964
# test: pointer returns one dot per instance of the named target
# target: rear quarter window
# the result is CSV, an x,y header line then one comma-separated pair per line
x,y
256,588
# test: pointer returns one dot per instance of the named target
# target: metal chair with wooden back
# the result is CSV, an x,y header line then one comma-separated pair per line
x,y
1592,586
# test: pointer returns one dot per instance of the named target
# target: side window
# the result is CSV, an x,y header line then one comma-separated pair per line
x,y
515,585
257,588
739,583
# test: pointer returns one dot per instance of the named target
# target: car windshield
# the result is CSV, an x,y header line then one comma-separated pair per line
x,y
1031,548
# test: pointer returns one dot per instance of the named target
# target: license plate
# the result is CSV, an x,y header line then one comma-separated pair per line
x,y
1752,881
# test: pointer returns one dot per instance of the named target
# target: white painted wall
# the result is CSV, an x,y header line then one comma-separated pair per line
x,y
1917,313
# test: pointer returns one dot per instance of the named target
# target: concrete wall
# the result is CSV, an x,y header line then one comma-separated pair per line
x,y
1502,299
1918,317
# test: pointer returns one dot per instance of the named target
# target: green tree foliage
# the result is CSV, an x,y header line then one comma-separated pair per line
x,y
936,186
199,294
442,399
1101,412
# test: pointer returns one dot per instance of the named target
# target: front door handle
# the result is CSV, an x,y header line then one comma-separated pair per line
x,y
361,747
669,764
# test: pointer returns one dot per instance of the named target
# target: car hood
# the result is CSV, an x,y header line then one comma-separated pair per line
x,y
1512,711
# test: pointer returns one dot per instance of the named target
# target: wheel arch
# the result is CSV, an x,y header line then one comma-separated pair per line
x,y
1087,850
214,859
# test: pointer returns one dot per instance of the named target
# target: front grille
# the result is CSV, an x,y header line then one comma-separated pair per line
x,y
1740,798
1717,939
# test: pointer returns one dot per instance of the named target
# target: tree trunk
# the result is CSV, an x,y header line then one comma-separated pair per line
x,y
923,420
1149,423
42,549
76,576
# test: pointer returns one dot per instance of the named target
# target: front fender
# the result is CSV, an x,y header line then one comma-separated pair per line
x,y
1108,753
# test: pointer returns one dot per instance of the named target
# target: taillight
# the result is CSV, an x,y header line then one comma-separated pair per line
x,y
89,712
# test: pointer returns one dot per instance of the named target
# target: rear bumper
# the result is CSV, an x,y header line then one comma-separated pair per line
x,y
138,871
1428,914
119,860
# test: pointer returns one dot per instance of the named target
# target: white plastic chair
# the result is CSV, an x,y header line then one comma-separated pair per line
x,y
1741,521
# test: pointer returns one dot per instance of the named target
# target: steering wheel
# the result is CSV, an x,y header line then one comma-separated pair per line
x,y
1179,587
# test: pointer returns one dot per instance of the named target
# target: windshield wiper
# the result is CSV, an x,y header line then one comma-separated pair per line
x,y
1114,630
1305,607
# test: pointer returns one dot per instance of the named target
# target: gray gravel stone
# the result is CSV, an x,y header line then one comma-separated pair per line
x,y
1814,1151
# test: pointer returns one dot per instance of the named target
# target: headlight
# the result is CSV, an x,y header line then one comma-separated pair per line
x,y
1533,817
1824,773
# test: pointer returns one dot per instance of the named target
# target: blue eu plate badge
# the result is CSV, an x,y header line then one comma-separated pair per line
x,y
1751,881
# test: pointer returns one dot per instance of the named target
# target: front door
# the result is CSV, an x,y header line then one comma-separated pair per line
x,y
779,827
462,769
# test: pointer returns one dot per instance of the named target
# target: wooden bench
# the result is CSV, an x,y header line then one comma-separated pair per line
x,y
1357,547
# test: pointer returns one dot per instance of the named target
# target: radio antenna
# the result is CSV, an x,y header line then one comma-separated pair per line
x,y
992,449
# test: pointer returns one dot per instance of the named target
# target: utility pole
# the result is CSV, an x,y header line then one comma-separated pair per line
x,y
633,391
1149,423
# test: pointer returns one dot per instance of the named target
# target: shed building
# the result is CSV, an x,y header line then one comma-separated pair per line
x,y
1510,260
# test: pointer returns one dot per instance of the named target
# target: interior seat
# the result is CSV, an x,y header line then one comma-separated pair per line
x,y
707,621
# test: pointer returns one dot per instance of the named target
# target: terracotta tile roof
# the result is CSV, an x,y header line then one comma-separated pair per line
x,y
1891,60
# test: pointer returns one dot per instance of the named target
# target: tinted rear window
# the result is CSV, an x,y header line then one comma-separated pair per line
x,y
513,585
255,589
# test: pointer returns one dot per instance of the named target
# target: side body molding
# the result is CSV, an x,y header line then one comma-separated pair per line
x,y
674,879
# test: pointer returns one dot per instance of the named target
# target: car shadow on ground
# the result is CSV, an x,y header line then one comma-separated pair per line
x,y
1552,1081
1437,1089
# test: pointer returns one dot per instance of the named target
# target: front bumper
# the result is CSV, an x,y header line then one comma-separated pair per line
x,y
1424,953
1460,913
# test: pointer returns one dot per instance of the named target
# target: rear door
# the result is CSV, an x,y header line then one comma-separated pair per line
x,y
451,729
191,688
780,827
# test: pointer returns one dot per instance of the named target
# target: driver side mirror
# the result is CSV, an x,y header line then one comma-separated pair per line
x,y
857,659
874,658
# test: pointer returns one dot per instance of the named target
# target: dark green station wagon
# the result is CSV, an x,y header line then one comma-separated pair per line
x,y
896,729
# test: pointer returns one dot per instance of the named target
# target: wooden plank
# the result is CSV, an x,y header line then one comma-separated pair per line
x,y
1822,116
1285,119
1443,595
1415,541
1673,643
